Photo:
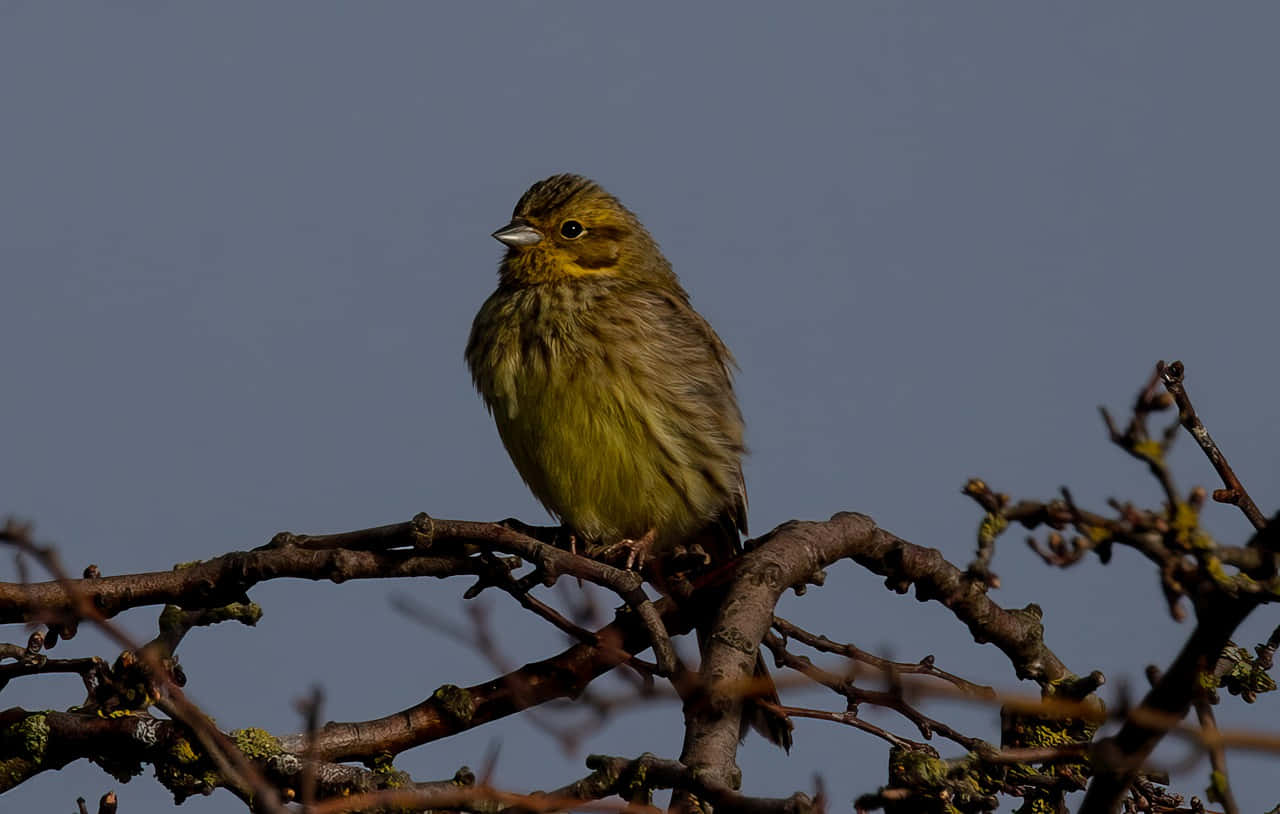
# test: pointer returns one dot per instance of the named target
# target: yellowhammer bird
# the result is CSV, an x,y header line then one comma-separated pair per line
x,y
612,395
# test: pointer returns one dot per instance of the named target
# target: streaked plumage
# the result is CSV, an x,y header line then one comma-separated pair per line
x,y
613,396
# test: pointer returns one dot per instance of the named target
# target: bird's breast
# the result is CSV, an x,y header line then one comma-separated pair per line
x,y
590,416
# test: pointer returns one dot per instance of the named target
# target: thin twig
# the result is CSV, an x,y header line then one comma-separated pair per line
x,y
1221,783
1234,493
925,666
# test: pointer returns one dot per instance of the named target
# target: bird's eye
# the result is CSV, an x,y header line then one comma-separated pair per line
x,y
571,229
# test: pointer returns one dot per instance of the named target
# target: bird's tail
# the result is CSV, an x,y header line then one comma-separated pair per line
x,y
774,725
759,703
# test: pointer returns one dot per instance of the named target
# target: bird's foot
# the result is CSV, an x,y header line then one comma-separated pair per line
x,y
565,539
688,558
637,550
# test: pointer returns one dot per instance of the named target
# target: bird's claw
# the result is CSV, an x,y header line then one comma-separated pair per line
x,y
637,551
689,558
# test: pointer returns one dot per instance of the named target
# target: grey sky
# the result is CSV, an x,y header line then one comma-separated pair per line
x,y
241,245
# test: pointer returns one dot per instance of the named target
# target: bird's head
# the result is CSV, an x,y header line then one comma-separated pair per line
x,y
567,226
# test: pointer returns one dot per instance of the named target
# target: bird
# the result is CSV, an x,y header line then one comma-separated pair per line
x,y
613,396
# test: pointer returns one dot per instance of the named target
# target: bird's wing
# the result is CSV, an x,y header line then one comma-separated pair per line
x,y
715,372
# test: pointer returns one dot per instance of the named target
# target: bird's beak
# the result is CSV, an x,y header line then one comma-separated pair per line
x,y
518,233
